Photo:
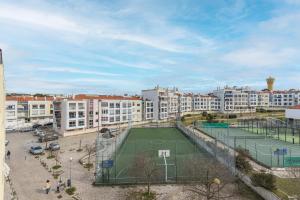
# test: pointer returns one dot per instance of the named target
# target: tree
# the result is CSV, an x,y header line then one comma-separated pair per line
x,y
89,149
210,179
145,167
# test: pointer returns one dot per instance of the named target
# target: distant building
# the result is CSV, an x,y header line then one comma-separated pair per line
x,y
24,111
88,113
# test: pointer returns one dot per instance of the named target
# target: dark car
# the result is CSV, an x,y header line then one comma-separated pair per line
x,y
49,124
35,126
47,138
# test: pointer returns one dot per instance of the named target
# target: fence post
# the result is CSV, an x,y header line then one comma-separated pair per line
x,y
271,156
255,151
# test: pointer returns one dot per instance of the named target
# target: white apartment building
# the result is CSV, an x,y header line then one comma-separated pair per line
x,y
166,102
206,103
263,99
283,98
88,113
24,111
186,103
235,100
11,114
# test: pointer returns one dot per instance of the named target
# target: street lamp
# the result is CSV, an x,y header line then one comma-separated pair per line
x,y
217,182
70,182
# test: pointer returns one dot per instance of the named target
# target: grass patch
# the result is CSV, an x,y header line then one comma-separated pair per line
x,y
289,186
71,190
88,165
56,167
140,195
50,157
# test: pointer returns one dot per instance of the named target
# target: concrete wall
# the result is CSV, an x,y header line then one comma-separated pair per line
x,y
292,113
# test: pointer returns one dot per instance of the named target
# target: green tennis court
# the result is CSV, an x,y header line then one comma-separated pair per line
x,y
147,142
264,148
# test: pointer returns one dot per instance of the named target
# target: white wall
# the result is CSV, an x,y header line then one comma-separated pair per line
x,y
292,113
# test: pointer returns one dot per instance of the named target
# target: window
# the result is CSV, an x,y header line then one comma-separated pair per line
x,y
111,105
111,119
80,114
117,105
124,118
104,119
117,118
111,112
42,106
72,106
10,113
34,112
42,112
72,123
81,122
72,115
10,107
104,111
104,104
35,107
80,106
117,112
124,105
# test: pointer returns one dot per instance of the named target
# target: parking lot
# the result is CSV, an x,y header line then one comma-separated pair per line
x,y
28,176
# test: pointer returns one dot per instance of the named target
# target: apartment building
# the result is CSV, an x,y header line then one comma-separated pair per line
x,y
24,111
263,99
186,103
206,103
235,100
88,113
283,98
166,102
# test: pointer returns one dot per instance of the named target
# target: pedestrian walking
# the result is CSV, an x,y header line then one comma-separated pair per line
x,y
8,155
48,186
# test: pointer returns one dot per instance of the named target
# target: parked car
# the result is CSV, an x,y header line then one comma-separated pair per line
x,y
26,129
54,146
46,138
39,132
35,150
6,142
9,130
35,126
49,124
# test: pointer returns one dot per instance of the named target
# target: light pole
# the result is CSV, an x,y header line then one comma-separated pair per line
x,y
70,182
217,182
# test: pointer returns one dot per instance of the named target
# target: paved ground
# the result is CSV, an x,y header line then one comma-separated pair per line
x,y
28,175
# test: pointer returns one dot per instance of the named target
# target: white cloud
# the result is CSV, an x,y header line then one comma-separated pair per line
x,y
260,57
75,70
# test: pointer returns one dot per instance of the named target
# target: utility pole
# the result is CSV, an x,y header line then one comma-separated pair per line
x,y
2,130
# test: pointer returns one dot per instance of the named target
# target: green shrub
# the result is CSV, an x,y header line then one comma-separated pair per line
x,y
71,190
232,116
264,180
243,152
56,167
243,164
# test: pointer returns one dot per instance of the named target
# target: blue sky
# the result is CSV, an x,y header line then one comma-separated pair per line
x,y
115,47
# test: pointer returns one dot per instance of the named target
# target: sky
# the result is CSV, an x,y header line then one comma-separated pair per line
x,y
117,47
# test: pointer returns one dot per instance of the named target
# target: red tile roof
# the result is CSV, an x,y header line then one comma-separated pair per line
x,y
295,107
28,98
104,97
